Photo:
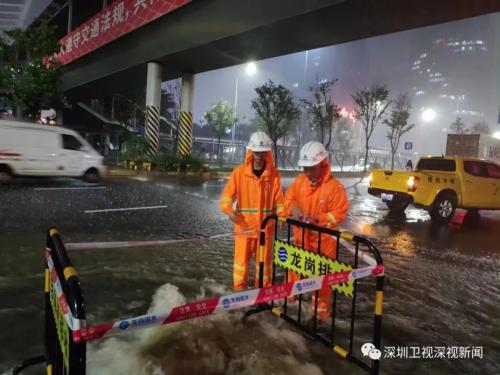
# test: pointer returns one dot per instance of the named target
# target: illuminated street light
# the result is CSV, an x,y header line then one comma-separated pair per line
x,y
428,115
496,135
251,68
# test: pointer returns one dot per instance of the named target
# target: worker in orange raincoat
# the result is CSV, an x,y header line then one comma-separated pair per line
x,y
252,193
318,198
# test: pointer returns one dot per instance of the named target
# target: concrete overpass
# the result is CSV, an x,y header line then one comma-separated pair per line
x,y
211,34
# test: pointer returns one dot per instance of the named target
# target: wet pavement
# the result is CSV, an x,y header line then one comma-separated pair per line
x,y
442,282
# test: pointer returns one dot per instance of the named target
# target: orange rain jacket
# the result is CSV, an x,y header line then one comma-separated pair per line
x,y
255,197
326,205
252,199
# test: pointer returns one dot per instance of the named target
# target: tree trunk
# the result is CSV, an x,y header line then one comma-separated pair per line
x,y
219,154
392,160
275,148
366,156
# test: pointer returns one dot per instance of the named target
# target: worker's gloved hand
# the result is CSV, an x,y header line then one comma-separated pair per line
x,y
297,213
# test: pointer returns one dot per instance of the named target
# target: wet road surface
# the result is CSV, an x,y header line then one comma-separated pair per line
x,y
442,284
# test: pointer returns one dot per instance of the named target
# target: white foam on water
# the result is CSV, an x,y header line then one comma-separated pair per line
x,y
218,344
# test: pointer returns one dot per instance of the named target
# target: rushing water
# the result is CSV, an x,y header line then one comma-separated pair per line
x,y
442,289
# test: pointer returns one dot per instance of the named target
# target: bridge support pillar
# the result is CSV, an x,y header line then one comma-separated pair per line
x,y
153,99
186,118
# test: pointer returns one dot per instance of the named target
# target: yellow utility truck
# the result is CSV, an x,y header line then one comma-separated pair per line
x,y
440,185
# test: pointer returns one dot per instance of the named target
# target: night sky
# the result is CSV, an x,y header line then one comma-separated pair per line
x,y
386,59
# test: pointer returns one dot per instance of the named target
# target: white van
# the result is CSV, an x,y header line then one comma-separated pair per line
x,y
43,150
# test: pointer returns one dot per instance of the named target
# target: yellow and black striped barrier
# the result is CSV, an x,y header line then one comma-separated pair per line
x,y
185,134
62,354
152,131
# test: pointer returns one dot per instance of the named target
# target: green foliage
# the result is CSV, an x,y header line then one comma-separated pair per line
x,y
398,123
323,110
166,162
135,149
172,163
276,109
370,106
221,118
29,74
191,164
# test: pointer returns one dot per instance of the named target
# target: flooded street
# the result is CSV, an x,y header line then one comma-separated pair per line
x,y
442,283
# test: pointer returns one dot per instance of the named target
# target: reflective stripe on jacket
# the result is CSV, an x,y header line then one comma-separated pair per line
x,y
252,198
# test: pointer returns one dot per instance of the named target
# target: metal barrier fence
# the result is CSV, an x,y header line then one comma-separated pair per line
x,y
311,263
64,311
66,330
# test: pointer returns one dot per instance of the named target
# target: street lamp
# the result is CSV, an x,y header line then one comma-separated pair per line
x,y
428,115
250,70
496,135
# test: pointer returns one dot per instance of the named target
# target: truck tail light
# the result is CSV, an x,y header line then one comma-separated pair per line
x,y
370,179
412,183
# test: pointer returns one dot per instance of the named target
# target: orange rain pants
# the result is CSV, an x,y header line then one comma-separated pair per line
x,y
326,204
252,198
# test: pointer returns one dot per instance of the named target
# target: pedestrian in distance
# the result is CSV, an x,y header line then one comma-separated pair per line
x,y
252,193
409,165
316,197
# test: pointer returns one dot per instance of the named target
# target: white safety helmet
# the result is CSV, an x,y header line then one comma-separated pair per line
x,y
259,141
312,153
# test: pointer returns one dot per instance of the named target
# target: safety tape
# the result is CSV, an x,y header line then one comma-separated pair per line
x,y
224,303
72,246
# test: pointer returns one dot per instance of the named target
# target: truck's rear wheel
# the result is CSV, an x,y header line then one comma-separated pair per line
x,y
444,207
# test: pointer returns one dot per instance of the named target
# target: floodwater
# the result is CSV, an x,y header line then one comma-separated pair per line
x,y
442,285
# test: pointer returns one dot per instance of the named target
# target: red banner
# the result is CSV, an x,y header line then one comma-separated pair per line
x,y
114,21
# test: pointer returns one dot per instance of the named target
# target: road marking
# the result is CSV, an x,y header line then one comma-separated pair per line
x,y
125,209
73,188
140,178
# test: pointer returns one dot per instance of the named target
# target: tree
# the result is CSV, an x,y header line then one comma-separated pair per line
x,y
221,119
458,126
129,111
171,103
370,107
323,110
30,74
481,127
398,123
275,107
344,141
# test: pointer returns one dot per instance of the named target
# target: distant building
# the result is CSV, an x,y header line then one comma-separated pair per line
x,y
455,73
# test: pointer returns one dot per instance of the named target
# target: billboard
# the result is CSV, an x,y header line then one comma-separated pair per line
x,y
114,21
